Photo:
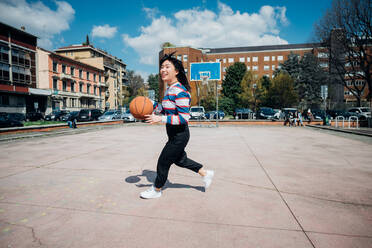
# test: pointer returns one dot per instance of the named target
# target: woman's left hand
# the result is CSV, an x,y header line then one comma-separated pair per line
x,y
152,118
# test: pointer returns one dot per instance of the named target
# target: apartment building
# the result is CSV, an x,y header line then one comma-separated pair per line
x,y
18,77
74,85
114,70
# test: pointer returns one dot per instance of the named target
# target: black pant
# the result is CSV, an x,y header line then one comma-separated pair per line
x,y
174,152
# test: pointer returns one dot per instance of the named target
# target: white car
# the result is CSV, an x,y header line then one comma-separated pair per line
x,y
127,117
197,112
363,112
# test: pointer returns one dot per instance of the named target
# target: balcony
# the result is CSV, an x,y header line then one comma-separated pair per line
x,y
65,76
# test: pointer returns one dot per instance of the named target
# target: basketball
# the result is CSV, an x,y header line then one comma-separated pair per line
x,y
140,106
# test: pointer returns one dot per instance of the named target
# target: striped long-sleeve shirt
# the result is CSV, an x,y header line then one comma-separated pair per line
x,y
175,106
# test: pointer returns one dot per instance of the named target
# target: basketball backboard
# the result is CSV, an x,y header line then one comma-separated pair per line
x,y
210,69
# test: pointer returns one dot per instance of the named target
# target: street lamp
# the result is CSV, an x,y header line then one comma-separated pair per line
x,y
254,95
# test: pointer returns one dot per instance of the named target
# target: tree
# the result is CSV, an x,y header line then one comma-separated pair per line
x,y
346,31
282,93
153,80
135,82
251,91
166,44
231,87
308,76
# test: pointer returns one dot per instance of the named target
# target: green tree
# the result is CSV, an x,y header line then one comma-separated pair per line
x,y
166,44
282,93
153,80
226,104
251,91
135,82
231,87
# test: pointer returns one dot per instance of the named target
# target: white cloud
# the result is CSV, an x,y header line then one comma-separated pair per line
x,y
151,12
205,28
104,31
37,18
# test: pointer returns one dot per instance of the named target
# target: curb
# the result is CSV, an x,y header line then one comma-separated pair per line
x,y
353,131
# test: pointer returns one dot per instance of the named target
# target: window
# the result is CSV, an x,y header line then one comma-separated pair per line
x,y
279,67
55,66
94,77
179,57
63,69
95,90
267,58
88,88
185,57
4,54
280,58
4,72
100,78
248,59
266,67
272,58
55,84
218,60
231,60
4,100
64,85
273,67
255,68
80,73
72,87
224,60
87,75
72,71
248,68
323,64
224,69
255,59
242,59
186,70
81,87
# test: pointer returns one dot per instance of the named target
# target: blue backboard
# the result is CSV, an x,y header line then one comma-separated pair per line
x,y
212,69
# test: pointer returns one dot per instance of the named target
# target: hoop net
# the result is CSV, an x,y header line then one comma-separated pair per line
x,y
204,76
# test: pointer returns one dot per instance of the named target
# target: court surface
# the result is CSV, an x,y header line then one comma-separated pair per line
x,y
273,187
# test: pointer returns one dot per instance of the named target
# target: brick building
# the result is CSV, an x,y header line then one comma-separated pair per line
x,y
262,60
74,85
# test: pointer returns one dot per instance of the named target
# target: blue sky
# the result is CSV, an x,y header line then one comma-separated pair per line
x,y
133,30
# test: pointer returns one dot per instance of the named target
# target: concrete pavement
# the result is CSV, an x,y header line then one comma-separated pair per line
x,y
274,187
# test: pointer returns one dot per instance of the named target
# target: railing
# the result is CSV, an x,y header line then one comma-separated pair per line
x,y
343,121
354,118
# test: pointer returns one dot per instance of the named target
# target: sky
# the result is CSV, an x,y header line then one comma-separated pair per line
x,y
134,30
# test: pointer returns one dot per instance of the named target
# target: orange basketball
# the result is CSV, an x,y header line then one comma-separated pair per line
x,y
140,106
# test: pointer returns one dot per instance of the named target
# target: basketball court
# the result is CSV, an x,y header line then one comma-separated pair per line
x,y
273,187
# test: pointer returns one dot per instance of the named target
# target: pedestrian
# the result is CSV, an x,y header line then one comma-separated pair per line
x,y
175,112
300,119
309,116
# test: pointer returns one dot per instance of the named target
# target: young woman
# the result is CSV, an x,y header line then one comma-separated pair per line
x,y
175,110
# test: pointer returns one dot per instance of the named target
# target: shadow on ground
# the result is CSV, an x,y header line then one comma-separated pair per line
x,y
150,177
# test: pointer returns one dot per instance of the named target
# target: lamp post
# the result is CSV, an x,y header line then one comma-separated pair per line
x,y
254,95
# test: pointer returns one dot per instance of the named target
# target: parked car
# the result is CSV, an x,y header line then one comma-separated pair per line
x,y
243,113
34,116
265,113
110,115
213,115
127,116
334,113
6,121
56,115
197,112
89,114
17,116
361,112
70,116
319,114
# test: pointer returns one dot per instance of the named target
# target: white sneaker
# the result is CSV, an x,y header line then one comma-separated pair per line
x,y
150,193
207,179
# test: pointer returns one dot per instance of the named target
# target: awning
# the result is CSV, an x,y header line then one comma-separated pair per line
x,y
40,92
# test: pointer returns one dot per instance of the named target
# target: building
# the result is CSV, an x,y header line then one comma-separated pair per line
x,y
74,85
18,76
262,60
114,70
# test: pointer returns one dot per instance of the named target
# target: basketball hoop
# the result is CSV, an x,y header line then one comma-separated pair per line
x,y
204,76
